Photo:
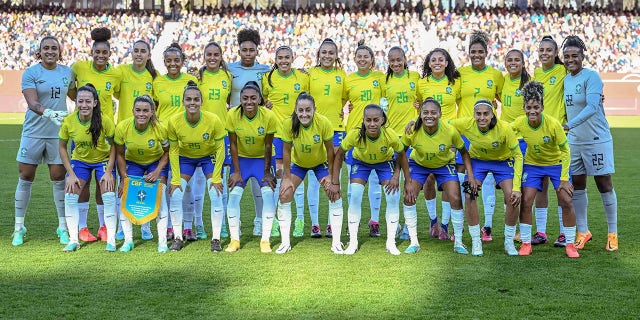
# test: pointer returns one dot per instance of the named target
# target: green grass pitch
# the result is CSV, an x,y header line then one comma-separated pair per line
x,y
39,281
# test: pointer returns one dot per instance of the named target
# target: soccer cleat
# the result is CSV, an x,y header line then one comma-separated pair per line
x,y
275,228
110,247
328,233
215,245
188,235
298,229
176,245
71,247
233,246
102,233
561,241
412,249
284,248
315,232
200,233
539,238
434,231
391,248
170,234
163,248
443,235
476,248
525,249
612,241
85,235
460,249
374,229
265,246
126,246
571,250
517,238
486,234
224,233
337,249
18,236
257,226
119,235
63,235
582,239
405,233
351,248
510,248
146,232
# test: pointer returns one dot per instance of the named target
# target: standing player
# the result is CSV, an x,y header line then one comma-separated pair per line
x,y
45,87
516,77
251,128
480,81
590,140
92,137
364,87
547,155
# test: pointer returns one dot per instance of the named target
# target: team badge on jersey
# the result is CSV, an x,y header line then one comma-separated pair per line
x,y
518,92
296,87
546,139
578,88
489,83
107,85
151,143
65,81
316,138
552,80
148,86
495,144
260,131
383,149
205,136
412,85
338,79
448,90
224,83
442,148
375,83
260,75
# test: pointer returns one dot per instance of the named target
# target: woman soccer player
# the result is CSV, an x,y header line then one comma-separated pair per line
x,y
364,87
142,149
106,79
440,81
251,128
590,140
307,138
92,137
45,87
516,77
327,86
547,155
551,74
137,80
431,141
480,81
494,148
374,148
401,87
195,137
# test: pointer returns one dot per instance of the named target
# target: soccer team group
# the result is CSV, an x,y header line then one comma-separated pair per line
x,y
244,123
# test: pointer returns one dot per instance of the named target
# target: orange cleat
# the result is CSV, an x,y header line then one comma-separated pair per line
x,y
85,235
571,250
102,233
525,249
582,239
612,242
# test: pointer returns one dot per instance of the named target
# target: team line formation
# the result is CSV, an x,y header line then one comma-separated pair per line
x,y
463,131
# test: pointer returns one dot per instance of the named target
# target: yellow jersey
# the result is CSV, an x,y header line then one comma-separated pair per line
x,y
327,89
512,100
205,138
107,84
133,85
141,147
284,92
77,131
434,150
445,93
308,149
402,92
251,133
476,85
360,92
168,93
216,88
553,82
373,151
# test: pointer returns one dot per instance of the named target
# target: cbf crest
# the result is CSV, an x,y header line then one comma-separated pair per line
x,y
495,144
296,87
224,83
384,149
489,83
354,169
148,86
205,136
412,85
448,90
518,92
65,81
316,138
552,80
151,143
546,139
442,147
338,79
107,85
260,131
578,88
375,83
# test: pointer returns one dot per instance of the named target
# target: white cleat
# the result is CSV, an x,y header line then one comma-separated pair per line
x,y
337,249
284,248
391,248
476,248
352,248
510,248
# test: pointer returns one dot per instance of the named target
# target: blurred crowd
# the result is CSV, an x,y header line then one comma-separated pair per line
x,y
612,38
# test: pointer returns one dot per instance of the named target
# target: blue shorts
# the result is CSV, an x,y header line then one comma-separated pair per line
x,y
467,144
227,151
252,167
532,175
443,174
188,165
338,136
277,146
502,170
361,170
320,171
83,170
135,169
523,146
348,157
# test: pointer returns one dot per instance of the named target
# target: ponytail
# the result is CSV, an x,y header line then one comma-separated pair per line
x,y
362,135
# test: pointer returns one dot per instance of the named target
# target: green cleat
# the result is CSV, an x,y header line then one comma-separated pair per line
x,y
126,246
18,236
63,235
298,230
200,233
110,247
275,228
71,247
412,249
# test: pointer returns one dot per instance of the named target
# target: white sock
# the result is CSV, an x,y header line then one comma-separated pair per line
x,y
560,223
510,233
72,214
457,219
217,213
541,220
392,214
525,232
375,196
257,197
127,227
276,192
313,197
570,234
610,203
110,216
83,211
284,219
348,184
298,197
581,203
233,212
489,199
58,199
198,188
336,212
225,195
431,208
354,213
23,195
461,180
446,212
411,220
175,209
188,205
162,220
268,212
474,232
100,209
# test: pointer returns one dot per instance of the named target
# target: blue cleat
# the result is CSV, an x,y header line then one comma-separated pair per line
x,y
110,247
18,236
126,246
71,247
412,249
460,249
63,234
